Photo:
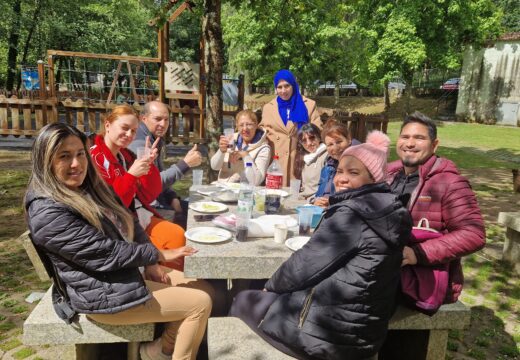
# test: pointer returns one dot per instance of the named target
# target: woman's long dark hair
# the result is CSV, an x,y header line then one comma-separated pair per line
x,y
311,130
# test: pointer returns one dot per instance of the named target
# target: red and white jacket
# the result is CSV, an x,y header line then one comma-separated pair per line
x,y
145,188
446,199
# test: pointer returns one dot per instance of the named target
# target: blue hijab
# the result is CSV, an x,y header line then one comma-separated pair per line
x,y
293,109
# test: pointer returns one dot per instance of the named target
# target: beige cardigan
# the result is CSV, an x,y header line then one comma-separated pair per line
x,y
259,155
283,139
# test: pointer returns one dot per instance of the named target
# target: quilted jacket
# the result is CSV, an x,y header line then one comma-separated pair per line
x,y
445,198
338,291
99,269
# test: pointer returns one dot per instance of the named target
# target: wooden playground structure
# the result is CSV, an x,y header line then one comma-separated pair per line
x,y
26,115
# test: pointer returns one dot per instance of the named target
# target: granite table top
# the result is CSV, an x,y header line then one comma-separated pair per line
x,y
256,258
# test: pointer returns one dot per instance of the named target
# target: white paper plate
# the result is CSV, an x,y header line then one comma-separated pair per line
x,y
209,190
282,193
208,207
297,242
208,235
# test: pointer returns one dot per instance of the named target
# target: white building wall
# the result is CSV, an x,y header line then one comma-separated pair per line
x,y
490,84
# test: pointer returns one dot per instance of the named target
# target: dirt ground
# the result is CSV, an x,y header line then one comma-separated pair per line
x,y
493,188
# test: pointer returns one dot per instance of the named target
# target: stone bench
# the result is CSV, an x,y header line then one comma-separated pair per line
x,y
231,339
44,327
511,251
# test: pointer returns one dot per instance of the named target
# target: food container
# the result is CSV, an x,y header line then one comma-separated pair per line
x,y
316,213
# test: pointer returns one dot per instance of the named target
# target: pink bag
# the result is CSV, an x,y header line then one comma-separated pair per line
x,y
424,287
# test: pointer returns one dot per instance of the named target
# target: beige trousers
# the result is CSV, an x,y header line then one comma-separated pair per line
x,y
185,306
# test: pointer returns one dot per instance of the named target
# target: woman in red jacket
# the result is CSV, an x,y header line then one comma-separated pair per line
x,y
136,181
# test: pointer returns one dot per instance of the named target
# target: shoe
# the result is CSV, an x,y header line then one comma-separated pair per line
x,y
153,351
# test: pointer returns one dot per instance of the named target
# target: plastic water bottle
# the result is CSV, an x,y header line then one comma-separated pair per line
x,y
244,210
249,174
245,199
274,176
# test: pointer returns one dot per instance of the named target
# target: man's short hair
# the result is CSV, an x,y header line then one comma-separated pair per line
x,y
419,117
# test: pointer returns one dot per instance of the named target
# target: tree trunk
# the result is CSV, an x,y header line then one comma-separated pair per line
x,y
213,59
408,92
336,92
14,37
387,97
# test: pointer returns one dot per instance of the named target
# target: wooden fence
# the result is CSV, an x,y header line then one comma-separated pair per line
x,y
25,117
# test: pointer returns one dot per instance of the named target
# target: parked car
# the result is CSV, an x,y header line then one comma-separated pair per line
x,y
397,84
451,84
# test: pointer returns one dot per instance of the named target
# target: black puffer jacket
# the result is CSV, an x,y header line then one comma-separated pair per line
x,y
100,270
338,291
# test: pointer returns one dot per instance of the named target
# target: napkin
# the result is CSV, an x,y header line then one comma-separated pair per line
x,y
263,226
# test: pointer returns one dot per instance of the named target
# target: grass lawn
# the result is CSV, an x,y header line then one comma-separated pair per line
x,y
492,289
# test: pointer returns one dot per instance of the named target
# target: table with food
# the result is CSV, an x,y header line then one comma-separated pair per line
x,y
233,247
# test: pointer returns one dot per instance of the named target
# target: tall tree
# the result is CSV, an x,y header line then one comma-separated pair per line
x,y
14,37
213,64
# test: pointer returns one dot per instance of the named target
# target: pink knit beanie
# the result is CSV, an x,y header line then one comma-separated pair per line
x,y
373,154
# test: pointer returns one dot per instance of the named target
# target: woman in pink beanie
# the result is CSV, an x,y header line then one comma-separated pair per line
x,y
333,298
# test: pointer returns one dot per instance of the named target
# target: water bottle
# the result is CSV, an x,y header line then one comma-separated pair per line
x,y
244,211
249,174
274,176
245,199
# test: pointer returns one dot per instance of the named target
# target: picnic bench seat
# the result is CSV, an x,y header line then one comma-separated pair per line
x,y
231,339
511,251
44,327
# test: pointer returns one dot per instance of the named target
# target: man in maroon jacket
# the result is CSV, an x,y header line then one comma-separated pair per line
x,y
434,189
437,192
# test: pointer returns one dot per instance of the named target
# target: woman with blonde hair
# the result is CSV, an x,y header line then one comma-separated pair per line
x,y
250,146
137,182
97,247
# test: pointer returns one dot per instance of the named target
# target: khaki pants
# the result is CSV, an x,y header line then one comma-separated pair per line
x,y
185,307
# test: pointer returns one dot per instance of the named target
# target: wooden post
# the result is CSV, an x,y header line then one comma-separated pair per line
x,y
202,88
41,77
52,91
241,92
163,49
516,181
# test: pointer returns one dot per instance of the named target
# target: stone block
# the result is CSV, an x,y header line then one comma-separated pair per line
x,y
44,327
230,338
511,250
449,316
34,257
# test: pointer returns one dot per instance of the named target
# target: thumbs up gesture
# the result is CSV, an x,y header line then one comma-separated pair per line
x,y
193,158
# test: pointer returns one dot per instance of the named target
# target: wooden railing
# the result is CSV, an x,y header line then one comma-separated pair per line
x,y
360,124
25,117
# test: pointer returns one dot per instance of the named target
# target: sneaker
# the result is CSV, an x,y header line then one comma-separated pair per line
x,y
153,351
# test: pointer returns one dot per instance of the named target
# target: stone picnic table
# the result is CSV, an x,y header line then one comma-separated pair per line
x,y
256,258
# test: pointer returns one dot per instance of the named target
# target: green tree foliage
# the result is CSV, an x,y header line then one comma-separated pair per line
x,y
307,37
511,17
336,39
96,26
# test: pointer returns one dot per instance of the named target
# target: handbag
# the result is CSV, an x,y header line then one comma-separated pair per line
x,y
423,287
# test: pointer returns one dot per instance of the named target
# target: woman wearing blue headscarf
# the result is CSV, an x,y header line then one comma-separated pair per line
x,y
283,116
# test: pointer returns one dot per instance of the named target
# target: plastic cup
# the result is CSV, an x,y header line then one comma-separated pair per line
x,y
197,177
259,197
242,223
295,185
280,233
143,152
230,134
305,221
272,203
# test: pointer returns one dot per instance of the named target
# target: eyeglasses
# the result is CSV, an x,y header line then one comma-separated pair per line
x,y
247,126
